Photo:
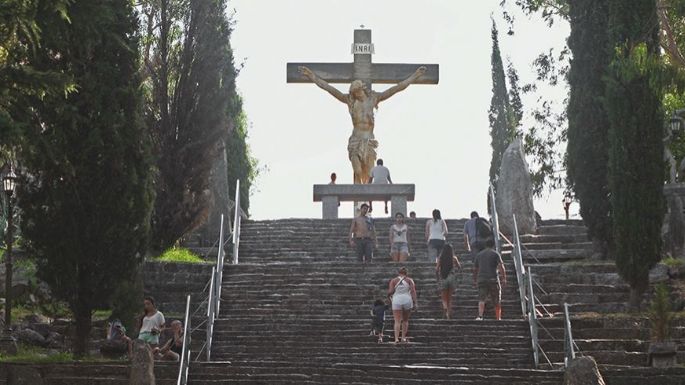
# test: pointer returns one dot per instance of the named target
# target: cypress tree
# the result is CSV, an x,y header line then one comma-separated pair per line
x,y
192,77
86,194
588,125
636,167
502,124
241,164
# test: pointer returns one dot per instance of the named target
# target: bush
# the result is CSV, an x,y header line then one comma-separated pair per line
x,y
661,313
180,255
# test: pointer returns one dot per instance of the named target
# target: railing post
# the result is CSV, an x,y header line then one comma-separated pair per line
x,y
219,269
210,315
518,262
532,314
236,223
569,351
185,352
494,219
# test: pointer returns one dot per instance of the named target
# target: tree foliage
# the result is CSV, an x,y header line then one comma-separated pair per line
x,y
588,124
190,77
86,190
503,118
636,168
241,164
22,85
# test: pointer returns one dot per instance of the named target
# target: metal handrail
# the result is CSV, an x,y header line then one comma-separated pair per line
x,y
185,352
236,223
494,219
215,286
569,344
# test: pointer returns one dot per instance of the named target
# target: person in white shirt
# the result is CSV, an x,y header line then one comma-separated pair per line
x,y
379,175
151,323
399,239
436,234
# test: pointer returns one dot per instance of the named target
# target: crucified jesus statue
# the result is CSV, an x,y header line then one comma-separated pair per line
x,y
361,103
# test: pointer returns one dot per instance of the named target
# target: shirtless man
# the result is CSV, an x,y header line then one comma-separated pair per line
x,y
361,103
363,235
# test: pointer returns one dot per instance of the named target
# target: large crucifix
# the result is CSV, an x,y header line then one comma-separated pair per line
x,y
361,100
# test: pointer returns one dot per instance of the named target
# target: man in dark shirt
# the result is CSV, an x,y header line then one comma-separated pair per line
x,y
487,264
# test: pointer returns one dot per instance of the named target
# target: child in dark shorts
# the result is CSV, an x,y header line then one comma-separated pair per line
x,y
378,319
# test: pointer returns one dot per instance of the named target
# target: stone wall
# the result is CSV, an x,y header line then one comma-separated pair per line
x,y
170,283
79,373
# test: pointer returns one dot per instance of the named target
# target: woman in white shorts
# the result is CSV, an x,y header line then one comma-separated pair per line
x,y
399,239
402,291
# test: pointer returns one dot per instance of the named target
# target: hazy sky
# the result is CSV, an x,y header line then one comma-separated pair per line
x,y
435,136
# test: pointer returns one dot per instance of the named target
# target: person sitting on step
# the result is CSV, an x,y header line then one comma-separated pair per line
x,y
378,319
446,272
151,323
172,349
486,266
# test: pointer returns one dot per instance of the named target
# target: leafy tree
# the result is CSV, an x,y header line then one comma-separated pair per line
x,y
502,117
87,182
636,167
190,78
241,164
588,124
23,86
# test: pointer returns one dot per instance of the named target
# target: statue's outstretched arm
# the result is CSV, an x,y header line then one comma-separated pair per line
x,y
401,85
323,84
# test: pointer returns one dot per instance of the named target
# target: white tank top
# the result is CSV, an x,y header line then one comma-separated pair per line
x,y
399,233
436,229
403,287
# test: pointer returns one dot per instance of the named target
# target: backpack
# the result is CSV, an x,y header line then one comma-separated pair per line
x,y
483,228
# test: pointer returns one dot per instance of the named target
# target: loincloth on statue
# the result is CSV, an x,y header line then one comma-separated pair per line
x,y
362,148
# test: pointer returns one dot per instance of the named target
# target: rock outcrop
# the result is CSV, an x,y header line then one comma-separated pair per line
x,y
515,192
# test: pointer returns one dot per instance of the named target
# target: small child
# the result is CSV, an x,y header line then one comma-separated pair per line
x,y
378,319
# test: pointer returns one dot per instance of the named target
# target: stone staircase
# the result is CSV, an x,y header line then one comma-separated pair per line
x,y
296,311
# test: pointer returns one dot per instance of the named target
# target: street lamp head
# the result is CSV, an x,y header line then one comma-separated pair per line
x,y
9,182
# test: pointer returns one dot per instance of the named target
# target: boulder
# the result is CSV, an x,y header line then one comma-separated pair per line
x,y
142,365
113,348
31,337
515,192
43,328
55,340
583,371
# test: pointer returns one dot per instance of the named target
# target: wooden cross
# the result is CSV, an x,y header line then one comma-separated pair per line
x,y
362,68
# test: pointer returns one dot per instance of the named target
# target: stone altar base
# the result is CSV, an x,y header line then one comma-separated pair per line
x,y
331,195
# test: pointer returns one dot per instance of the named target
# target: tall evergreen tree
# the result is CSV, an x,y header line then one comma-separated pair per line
x,y
588,125
86,193
636,167
502,122
191,78
241,164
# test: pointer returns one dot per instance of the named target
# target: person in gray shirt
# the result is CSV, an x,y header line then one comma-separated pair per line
x,y
470,232
486,266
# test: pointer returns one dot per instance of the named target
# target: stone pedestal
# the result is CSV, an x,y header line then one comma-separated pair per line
x,y
514,194
398,204
329,207
331,195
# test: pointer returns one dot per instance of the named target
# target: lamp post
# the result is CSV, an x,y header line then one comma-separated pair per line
x,y
7,343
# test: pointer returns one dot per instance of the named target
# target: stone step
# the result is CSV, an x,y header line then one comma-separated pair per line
x,y
365,374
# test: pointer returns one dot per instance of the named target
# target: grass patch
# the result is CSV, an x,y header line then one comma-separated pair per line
x,y
37,355
672,262
99,315
179,255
